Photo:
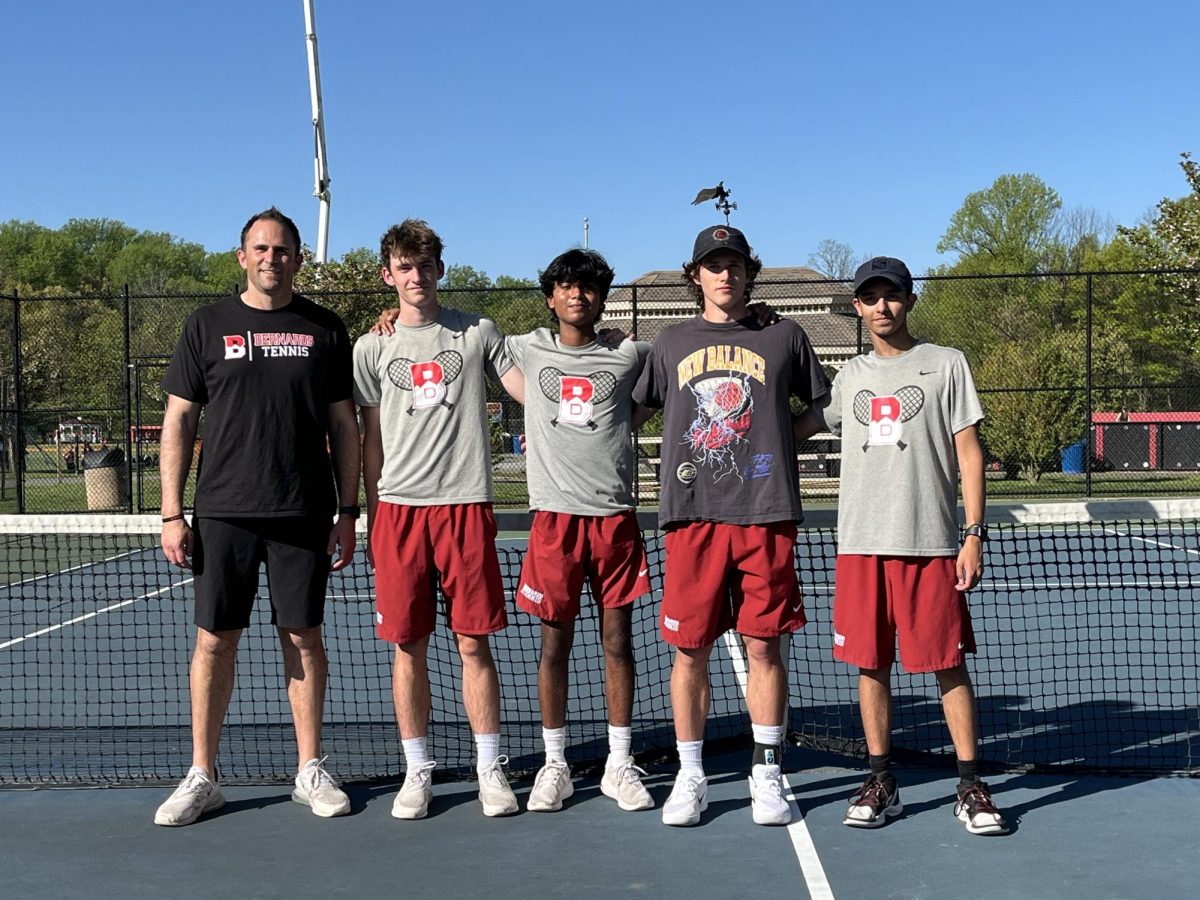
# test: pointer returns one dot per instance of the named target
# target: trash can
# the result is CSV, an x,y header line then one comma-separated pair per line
x,y
104,478
1072,458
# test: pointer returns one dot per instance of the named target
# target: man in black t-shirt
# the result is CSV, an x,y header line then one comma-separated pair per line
x,y
272,372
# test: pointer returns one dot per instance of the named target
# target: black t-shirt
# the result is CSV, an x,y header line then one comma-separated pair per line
x,y
728,454
266,379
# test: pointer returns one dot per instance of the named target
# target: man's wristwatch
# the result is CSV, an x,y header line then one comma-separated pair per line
x,y
978,529
350,512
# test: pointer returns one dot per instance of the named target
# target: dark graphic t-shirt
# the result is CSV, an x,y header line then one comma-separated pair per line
x,y
728,454
266,379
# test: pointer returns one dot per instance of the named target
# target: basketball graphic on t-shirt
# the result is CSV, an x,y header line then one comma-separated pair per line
x,y
724,406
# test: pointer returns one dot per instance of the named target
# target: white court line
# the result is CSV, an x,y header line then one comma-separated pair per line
x,y
93,614
802,843
81,566
1153,543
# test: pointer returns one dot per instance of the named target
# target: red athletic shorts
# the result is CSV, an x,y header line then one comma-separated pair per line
x,y
414,545
565,548
721,576
876,598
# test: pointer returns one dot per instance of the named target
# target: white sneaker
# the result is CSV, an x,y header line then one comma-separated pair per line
x,y
196,795
689,798
767,796
551,787
413,800
624,784
494,793
316,788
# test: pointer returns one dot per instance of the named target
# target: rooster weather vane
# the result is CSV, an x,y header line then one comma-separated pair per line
x,y
720,195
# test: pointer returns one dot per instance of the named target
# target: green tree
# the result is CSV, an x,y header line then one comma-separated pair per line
x,y
1171,240
1034,396
1010,225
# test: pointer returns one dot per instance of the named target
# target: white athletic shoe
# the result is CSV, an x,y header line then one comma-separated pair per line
x,y
196,795
768,802
316,789
689,798
551,787
494,793
624,784
413,800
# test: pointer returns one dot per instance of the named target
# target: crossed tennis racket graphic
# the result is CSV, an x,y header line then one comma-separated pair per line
x,y
910,397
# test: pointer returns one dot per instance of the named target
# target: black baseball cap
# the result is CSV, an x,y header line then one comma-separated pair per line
x,y
886,267
720,237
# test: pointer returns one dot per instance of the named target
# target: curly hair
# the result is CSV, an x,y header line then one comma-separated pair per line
x,y
753,268
412,239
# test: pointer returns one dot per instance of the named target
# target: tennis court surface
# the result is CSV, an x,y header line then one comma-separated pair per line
x,y
1086,676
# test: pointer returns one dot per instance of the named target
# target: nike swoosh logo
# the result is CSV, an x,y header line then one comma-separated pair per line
x,y
924,373
798,607
643,572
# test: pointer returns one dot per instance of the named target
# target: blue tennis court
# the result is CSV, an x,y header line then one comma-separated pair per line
x,y
1086,679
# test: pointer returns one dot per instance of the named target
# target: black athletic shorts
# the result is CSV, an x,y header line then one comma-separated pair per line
x,y
228,553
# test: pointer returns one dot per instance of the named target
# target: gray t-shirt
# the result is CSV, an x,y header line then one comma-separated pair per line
x,y
428,384
898,416
728,454
578,431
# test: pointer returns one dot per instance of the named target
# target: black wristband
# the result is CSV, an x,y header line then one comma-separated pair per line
x,y
351,512
178,518
978,530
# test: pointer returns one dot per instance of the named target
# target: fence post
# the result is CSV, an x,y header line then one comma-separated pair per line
x,y
1090,433
18,447
128,382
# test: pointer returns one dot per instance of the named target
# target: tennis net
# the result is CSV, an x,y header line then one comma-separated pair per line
x,y
1086,624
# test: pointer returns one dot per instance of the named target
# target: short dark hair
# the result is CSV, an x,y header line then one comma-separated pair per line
x,y
412,238
272,215
578,266
753,268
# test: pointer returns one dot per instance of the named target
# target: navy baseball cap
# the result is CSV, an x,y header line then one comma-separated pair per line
x,y
720,237
886,267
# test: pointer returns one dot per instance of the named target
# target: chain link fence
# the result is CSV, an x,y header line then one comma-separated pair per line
x,y
1090,381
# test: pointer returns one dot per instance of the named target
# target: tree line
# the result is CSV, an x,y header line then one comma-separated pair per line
x,y
1016,332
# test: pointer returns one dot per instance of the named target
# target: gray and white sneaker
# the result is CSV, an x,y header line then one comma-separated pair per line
x,y
496,796
689,798
874,802
196,795
413,800
624,784
316,788
768,801
551,787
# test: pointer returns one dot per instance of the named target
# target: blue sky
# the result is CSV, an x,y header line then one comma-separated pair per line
x,y
504,125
